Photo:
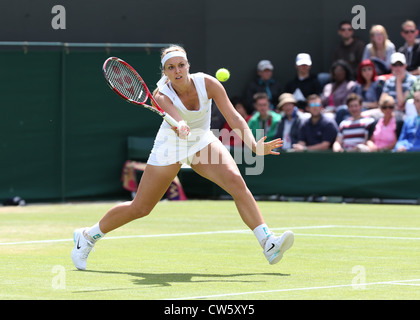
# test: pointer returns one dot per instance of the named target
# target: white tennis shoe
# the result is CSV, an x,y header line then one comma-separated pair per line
x,y
275,247
81,250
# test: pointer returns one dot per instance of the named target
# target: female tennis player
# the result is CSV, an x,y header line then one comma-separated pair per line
x,y
188,98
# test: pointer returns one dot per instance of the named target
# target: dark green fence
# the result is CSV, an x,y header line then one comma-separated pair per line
x,y
354,175
63,132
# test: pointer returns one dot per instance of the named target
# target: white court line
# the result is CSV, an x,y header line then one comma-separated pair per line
x,y
240,231
399,282
158,235
353,236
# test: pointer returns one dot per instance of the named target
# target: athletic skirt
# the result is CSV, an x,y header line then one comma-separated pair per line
x,y
168,148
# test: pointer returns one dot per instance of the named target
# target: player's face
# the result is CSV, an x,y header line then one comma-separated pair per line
x,y
176,69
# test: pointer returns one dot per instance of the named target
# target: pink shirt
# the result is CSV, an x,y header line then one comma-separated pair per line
x,y
384,135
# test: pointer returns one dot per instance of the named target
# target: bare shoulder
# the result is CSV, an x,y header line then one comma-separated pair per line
x,y
213,86
162,99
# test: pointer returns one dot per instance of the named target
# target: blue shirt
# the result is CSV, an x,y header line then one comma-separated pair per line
x,y
410,134
324,130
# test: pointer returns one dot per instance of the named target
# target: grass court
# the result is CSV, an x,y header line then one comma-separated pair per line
x,y
202,250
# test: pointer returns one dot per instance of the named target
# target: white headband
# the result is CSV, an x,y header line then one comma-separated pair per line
x,y
173,54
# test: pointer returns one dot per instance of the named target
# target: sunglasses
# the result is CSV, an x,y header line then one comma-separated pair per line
x,y
314,104
387,107
408,31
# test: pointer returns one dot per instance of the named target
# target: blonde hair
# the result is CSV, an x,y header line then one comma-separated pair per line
x,y
377,28
165,51
408,23
386,99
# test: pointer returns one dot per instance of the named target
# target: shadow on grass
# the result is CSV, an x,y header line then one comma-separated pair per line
x,y
167,279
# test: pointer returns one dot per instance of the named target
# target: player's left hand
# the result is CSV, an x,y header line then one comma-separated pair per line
x,y
263,148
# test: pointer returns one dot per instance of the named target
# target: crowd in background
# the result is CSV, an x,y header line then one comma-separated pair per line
x,y
369,101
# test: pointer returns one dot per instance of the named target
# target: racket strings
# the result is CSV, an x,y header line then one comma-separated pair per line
x,y
125,81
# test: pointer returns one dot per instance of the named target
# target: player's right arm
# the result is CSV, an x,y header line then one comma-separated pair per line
x,y
166,104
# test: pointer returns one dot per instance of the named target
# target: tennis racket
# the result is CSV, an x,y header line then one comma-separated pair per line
x,y
127,83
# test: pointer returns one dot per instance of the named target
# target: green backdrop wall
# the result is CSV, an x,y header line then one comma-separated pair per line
x,y
63,132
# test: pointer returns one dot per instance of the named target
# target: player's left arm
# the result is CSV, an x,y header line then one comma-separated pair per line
x,y
217,92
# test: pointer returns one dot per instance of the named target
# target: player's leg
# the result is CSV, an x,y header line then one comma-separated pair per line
x,y
216,164
153,184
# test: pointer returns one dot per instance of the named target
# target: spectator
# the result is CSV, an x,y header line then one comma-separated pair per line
x,y
264,122
379,50
264,82
410,108
317,132
367,86
385,131
288,127
409,139
228,137
335,93
398,86
354,131
411,48
305,83
350,48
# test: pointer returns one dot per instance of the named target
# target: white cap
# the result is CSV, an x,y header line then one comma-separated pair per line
x,y
303,58
398,57
264,64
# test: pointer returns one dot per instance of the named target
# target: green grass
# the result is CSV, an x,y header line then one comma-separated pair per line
x,y
341,251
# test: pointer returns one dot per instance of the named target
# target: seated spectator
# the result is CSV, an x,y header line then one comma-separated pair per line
x,y
353,131
228,137
317,132
398,86
410,108
305,83
350,48
264,121
264,82
411,47
288,127
409,139
367,86
335,93
379,50
385,131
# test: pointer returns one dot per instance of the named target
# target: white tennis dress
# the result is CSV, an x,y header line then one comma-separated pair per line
x,y
168,148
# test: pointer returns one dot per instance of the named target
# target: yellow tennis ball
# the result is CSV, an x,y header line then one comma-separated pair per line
x,y
222,74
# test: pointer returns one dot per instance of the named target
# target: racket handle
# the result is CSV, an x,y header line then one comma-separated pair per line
x,y
172,122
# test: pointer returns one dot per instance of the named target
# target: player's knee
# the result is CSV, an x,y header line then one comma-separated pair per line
x,y
138,212
236,184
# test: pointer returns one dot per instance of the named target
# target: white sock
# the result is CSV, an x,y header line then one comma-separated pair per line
x,y
95,233
262,232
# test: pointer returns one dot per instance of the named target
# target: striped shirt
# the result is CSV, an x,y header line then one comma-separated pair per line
x,y
390,84
354,132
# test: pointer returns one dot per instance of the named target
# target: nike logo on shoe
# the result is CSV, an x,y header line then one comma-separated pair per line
x,y
272,246
77,246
